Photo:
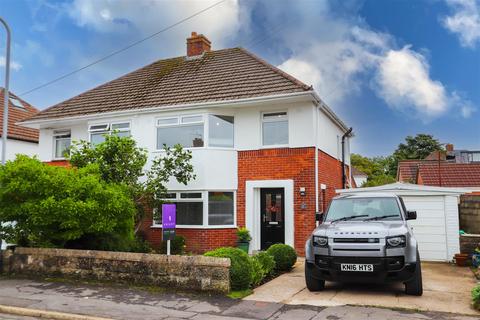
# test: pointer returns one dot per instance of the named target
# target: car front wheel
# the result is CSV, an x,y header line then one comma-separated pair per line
x,y
414,287
312,283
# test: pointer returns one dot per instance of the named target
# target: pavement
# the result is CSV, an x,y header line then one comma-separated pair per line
x,y
119,302
446,289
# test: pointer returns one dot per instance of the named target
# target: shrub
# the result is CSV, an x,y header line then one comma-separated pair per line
x,y
284,256
240,268
266,261
47,206
177,246
476,297
243,235
257,271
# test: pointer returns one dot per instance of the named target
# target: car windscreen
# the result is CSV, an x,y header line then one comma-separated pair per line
x,y
368,208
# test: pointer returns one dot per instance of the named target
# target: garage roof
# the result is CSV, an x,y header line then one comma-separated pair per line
x,y
401,188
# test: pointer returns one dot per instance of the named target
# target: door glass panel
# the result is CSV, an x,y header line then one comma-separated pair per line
x,y
273,207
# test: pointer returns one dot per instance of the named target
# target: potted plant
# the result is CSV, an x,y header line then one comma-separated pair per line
x,y
461,259
243,238
476,257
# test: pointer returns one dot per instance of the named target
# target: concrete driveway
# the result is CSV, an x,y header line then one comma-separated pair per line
x,y
446,289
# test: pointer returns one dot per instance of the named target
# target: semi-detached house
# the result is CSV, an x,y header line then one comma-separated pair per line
x,y
267,152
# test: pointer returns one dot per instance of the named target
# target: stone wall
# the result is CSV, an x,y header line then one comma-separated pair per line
x,y
197,273
469,211
468,243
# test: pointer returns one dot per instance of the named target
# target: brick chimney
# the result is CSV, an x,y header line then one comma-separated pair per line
x,y
197,44
449,147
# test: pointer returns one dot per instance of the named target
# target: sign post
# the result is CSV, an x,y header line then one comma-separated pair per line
x,y
169,223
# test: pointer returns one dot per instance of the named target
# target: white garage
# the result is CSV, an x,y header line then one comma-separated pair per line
x,y
437,225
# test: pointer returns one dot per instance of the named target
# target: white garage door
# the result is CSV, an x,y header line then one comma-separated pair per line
x,y
430,227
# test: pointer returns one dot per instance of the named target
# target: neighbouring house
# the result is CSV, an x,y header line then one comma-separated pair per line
x,y
266,150
20,140
452,169
359,177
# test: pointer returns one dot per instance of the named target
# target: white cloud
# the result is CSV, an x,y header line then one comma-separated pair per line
x,y
403,80
464,21
15,66
346,56
149,16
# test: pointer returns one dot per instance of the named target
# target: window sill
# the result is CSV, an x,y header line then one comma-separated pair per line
x,y
159,226
275,146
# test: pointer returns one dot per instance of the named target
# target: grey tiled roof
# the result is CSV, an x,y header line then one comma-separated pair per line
x,y
220,75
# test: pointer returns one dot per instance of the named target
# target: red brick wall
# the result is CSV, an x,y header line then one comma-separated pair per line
x,y
285,163
330,174
197,240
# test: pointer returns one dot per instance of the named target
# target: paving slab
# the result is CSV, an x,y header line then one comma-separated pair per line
x,y
446,289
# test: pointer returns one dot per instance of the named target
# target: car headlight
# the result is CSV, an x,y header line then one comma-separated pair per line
x,y
396,242
320,241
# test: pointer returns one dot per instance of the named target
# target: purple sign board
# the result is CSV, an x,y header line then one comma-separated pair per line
x,y
169,216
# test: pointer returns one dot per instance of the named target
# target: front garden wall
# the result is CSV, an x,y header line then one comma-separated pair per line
x,y
183,272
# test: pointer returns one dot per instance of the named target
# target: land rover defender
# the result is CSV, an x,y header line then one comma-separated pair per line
x,y
364,238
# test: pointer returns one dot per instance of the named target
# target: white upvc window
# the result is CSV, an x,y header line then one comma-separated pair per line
x,y
275,128
188,131
61,143
201,209
99,131
196,131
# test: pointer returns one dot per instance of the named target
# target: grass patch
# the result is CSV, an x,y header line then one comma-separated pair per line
x,y
239,294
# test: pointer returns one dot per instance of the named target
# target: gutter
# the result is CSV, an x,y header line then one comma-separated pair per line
x,y
310,95
190,106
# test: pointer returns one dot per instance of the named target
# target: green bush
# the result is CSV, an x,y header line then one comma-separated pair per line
x,y
476,297
266,261
284,256
47,206
257,271
177,246
240,269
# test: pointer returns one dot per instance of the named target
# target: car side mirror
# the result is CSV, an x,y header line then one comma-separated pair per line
x,y
411,215
319,216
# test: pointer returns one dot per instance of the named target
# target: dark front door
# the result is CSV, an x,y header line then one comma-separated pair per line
x,y
272,207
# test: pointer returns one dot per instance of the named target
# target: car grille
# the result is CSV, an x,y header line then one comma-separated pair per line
x,y
356,240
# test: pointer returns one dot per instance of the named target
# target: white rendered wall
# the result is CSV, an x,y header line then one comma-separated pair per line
x,y
15,147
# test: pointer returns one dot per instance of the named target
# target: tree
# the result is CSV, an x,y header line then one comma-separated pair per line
x,y
418,147
376,169
120,161
47,206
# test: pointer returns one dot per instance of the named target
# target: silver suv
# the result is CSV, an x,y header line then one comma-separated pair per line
x,y
364,238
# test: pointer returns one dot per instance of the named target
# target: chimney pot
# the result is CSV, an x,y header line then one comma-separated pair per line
x,y
197,44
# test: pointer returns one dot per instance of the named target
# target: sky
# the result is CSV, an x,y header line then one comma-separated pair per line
x,y
388,68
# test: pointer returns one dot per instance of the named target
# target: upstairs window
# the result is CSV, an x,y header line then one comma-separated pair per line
x,y
62,140
275,128
98,131
220,131
188,131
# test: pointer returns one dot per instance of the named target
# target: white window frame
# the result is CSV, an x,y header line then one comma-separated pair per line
x,y
206,132
207,125
204,199
55,134
108,128
180,123
262,120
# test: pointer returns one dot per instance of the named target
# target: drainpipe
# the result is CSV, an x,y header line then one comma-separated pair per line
x,y
317,207
347,134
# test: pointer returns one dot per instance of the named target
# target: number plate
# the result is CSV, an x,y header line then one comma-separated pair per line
x,y
356,267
